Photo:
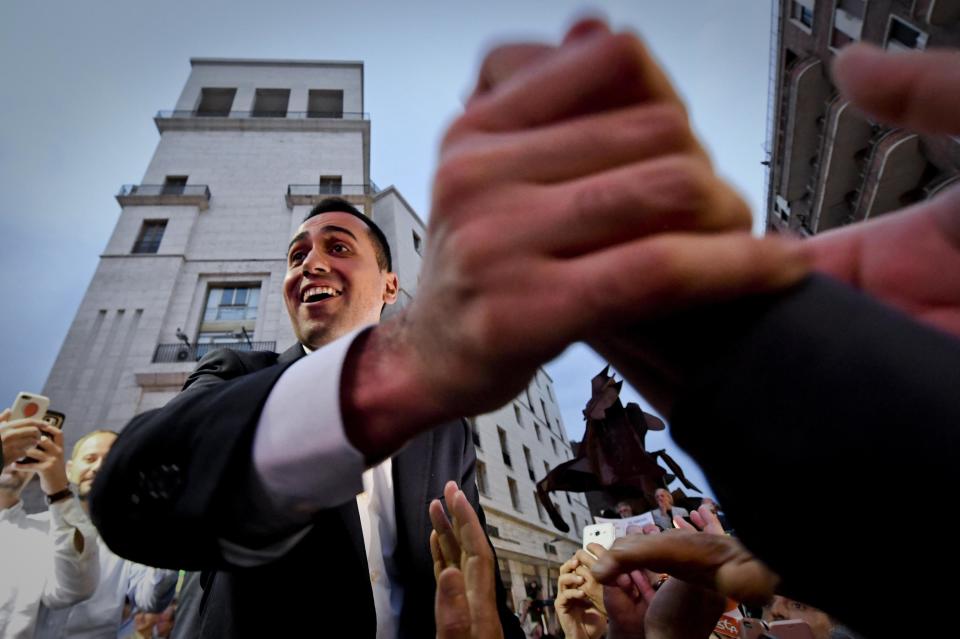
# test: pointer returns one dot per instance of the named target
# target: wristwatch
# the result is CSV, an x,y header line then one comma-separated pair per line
x,y
60,495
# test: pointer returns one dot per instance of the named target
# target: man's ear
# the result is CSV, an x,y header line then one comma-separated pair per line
x,y
70,471
391,288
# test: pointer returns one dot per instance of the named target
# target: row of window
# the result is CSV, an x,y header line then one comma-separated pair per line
x,y
270,103
484,487
848,19
505,449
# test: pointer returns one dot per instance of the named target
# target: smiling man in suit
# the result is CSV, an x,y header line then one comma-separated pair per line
x,y
368,552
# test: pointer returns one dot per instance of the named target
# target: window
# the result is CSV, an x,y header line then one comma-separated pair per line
x,y
554,443
215,102
514,494
839,39
526,457
493,531
801,14
543,407
576,525
271,103
550,393
529,399
516,413
540,510
569,503
482,485
853,8
503,447
417,243
902,36
232,303
150,235
847,22
324,103
230,314
536,428
173,184
550,548
546,468
331,185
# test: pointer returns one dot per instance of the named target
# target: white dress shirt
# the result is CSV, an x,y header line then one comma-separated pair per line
x,y
304,461
39,563
99,617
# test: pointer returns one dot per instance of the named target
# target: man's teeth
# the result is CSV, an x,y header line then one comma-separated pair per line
x,y
319,292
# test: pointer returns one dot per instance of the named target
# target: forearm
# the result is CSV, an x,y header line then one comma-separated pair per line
x,y
385,398
76,567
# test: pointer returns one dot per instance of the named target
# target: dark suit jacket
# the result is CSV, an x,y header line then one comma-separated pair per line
x,y
179,479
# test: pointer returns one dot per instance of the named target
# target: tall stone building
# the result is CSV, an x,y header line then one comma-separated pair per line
x,y
197,259
829,165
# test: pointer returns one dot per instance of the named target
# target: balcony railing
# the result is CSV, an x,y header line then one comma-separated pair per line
x,y
170,194
313,193
289,115
182,353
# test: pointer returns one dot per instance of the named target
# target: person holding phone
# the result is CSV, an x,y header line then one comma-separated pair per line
x,y
49,558
149,589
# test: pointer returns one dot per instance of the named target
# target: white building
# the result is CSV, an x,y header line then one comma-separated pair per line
x,y
199,250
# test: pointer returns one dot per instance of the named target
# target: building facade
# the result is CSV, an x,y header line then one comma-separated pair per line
x,y
197,259
828,164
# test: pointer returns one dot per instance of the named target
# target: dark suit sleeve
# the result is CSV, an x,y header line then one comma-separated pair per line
x,y
821,423
468,484
175,481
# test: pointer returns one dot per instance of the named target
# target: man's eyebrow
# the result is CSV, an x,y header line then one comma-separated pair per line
x,y
324,229
296,238
333,227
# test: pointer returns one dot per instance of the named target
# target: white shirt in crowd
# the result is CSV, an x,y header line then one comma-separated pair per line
x,y
99,617
39,563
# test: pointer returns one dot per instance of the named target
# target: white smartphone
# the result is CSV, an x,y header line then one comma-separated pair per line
x,y
29,405
603,534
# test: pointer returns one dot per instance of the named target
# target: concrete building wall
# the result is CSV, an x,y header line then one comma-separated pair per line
x,y
826,166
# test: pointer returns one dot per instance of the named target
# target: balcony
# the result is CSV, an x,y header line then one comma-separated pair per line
x,y
312,194
165,194
180,352
261,120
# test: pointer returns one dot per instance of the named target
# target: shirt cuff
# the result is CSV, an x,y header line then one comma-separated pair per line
x,y
301,454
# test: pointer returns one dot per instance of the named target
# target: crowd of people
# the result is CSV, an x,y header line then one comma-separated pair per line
x,y
572,202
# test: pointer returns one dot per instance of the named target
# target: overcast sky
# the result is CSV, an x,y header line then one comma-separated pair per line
x,y
82,80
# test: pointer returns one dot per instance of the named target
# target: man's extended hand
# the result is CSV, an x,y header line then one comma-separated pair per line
x,y
908,259
466,606
571,199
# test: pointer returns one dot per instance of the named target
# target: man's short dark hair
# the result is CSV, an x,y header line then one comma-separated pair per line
x,y
380,244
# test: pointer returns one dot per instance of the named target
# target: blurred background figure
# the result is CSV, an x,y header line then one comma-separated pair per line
x,y
665,512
